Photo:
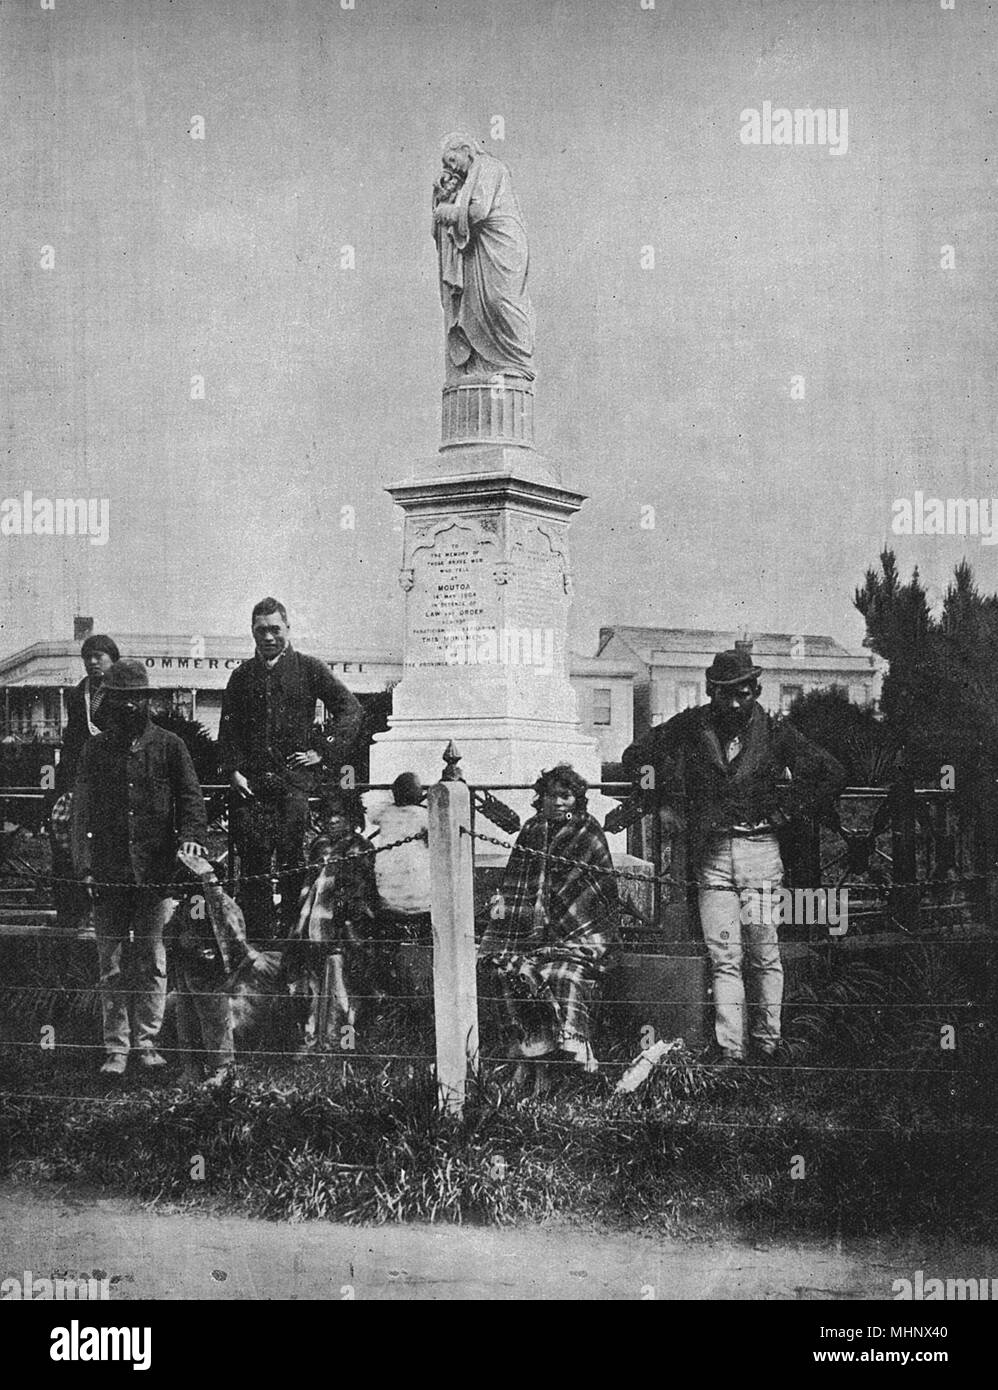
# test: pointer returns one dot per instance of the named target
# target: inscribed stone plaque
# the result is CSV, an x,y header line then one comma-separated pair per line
x,y
453,592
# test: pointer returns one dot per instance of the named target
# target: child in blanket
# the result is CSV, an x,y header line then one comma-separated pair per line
x,y
206,938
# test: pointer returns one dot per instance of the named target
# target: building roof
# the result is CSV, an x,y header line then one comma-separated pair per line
x,y
645,641
580,665
55,663
175,644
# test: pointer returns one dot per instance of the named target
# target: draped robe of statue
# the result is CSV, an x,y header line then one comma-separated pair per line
x,y
488,317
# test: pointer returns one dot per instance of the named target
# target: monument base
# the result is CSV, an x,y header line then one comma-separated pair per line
x,y
492,750
486,576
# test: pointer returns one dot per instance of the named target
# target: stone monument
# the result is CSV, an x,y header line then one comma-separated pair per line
x,y
485,566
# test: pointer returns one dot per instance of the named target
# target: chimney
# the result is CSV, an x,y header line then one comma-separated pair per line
x,y
744,644
82,628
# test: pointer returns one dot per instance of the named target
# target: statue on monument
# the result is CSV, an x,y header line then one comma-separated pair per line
x,y
485,552
483,259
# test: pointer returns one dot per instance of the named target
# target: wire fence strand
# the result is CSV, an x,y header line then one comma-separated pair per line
x,y
331,1057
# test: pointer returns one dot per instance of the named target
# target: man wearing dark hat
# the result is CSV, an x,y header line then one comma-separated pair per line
x,y
136,802
729,757
273,756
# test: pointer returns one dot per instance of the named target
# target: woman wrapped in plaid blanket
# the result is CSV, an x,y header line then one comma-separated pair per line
x,y
553,927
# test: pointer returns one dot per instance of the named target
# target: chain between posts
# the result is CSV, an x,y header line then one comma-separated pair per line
x,y
421,835
668,878
243,878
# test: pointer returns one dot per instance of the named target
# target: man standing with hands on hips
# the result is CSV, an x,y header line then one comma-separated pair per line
x,y
273,758
730,756
136,802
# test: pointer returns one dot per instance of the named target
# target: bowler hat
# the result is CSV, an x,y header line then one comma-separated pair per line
x,y
732,668
127,674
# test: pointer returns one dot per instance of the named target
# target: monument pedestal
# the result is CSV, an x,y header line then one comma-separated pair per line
x,y
487,582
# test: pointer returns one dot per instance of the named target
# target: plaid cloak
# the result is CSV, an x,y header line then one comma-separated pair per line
x,y
559,924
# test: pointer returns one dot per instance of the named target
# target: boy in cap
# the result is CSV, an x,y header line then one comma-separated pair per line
x,y
402,875
137,799
729,757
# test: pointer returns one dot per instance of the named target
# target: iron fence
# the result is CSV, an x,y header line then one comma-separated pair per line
x,y
906,856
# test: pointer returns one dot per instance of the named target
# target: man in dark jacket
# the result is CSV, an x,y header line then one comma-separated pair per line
x,y
137,800
83,705
84,711
273,756
729,757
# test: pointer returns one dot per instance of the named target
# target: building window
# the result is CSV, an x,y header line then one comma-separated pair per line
x,y
687,695
788,694
663,697
602,707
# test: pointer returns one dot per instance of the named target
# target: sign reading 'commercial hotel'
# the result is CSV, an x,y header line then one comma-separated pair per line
x,y
226,663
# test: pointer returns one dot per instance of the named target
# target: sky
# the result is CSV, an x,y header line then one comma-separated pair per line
x,y
670,385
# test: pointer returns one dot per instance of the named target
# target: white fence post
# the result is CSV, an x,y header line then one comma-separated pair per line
x,y
452,907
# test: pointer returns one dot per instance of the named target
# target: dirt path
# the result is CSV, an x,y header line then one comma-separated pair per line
x,y
153,1254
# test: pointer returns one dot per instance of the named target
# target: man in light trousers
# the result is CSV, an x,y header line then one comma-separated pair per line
x,y
730,757
741,937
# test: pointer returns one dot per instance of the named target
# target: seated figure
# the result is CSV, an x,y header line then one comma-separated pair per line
x,y
402,875
553,926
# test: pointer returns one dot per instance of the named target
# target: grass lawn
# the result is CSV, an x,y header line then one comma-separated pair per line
x,y
873,1127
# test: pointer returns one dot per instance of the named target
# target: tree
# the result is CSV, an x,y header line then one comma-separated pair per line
x,y
854,734
200,744
940,698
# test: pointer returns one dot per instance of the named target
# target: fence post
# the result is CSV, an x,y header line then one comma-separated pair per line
x,y
986,854
452,909
230,840
904,898
657,842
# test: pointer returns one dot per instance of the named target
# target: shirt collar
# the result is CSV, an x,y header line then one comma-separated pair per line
x,y
144,737
133,744
269,665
